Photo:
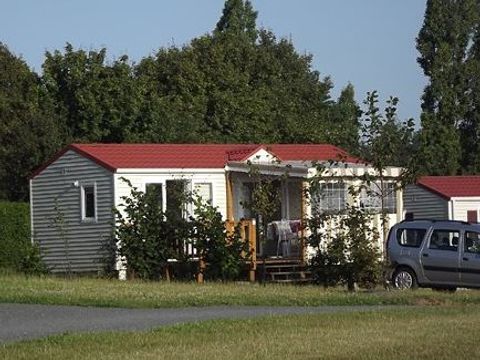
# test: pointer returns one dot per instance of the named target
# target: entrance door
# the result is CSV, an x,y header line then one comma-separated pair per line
x,y
440,258
470,261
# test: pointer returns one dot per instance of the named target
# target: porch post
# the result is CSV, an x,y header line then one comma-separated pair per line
x,y
252,239
303,215
229,188
201,270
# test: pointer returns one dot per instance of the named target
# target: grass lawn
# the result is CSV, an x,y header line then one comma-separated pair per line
x,y
416,333
139,294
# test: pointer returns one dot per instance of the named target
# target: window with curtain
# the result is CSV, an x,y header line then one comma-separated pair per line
x,y
331,197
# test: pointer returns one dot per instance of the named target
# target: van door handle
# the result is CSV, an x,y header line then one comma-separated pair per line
x,y
425,255
465,259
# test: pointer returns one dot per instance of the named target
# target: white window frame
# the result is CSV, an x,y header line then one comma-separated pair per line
x,y
83,204
210,188
371,199
328,193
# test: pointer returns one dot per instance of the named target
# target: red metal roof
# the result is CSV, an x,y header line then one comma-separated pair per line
x,y
451,186
116,156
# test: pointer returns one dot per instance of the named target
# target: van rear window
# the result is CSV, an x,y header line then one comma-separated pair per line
x,y
410,237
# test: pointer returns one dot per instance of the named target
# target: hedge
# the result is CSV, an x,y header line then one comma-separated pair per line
x,y
15,242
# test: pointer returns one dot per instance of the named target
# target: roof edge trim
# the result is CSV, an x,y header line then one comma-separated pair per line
x,y
79,151
435,191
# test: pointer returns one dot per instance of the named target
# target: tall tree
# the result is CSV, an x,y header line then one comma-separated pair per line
x,y
443,43
470,127
29,130
238,19
98,102
239,84
346,120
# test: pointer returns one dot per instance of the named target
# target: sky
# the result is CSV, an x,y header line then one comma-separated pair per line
x,y
369,43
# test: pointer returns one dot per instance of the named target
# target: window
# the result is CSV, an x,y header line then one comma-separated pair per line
x,y
371,197
331,197
472,216
177,191
410,237
444,240
204,191
472,242
89,202
155,190
247,200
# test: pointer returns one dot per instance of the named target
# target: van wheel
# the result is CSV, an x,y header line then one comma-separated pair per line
x,y
404,279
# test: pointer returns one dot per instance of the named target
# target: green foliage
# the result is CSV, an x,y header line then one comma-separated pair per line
x,y
29,128
225,254
448,46
145,239
226,88
32,263
16,249
237,84
386,142
59,224
346,114
265,199
98,102
238,19
148,237
346,249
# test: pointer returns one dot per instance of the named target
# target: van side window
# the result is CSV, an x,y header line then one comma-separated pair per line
x,y
472,242
444,240
410,237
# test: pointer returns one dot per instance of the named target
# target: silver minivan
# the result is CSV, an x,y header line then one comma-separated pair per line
x,y
436,254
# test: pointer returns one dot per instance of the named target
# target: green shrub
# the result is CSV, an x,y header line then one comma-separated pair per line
x,y
16,250
14,233
225,253
346,250
147,237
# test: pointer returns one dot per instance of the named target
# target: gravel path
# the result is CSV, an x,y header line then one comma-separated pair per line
x,y
21,322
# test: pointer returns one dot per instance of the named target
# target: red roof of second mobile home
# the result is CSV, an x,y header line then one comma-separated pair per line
x,y
452,186
175,156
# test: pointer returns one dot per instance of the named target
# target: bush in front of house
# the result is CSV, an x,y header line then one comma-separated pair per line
x,y
223,253
16,249
346,249
145,239
149,237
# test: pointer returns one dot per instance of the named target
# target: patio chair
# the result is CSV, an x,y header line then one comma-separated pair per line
x,y
285,235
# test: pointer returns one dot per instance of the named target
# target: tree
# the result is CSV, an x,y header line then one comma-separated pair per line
x,y
238,84
385,143
238,19
470,127
29,129
444,43
346,120
346,249
98,102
